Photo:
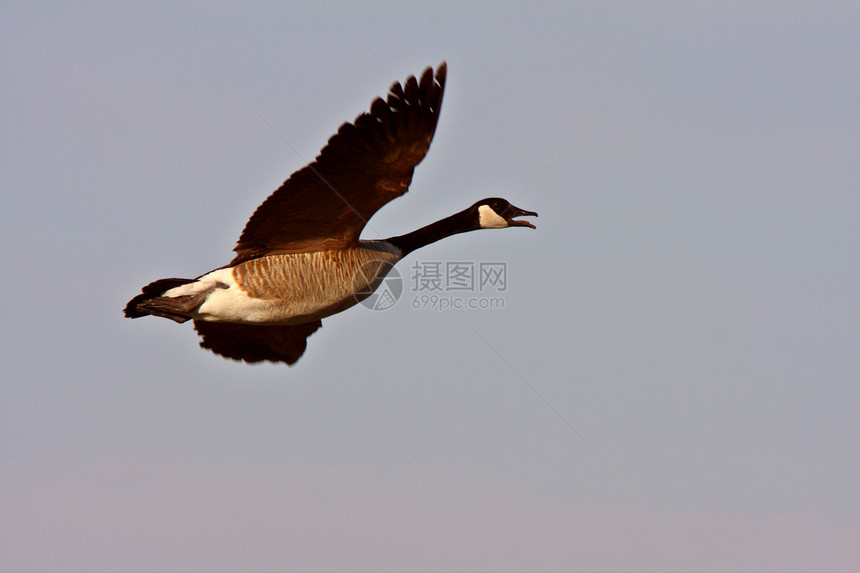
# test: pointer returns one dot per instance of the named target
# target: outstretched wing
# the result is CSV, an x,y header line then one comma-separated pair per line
x,y
366,164
256,343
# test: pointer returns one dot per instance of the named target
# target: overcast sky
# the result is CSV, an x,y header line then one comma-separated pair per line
x,y
668,381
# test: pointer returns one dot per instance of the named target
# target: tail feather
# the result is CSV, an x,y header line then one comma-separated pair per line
x,y
151,301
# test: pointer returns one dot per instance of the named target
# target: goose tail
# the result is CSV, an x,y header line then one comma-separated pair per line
x,y
151,301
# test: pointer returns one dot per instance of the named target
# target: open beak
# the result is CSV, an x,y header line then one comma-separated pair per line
x,y
517,212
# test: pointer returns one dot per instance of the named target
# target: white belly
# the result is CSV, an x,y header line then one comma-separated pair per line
x,y
292,288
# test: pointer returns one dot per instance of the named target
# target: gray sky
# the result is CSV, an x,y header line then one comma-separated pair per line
x,y
672,384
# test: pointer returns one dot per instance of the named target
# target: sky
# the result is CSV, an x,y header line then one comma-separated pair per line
x,y
666,379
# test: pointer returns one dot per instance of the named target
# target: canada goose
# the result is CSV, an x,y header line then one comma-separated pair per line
x,y
299,258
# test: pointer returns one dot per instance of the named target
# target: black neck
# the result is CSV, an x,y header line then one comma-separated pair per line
x,y
458,223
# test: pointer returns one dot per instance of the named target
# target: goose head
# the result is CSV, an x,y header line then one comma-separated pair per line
x,y
497,213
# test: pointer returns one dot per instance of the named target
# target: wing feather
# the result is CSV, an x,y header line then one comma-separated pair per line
x,y
366,164
256,343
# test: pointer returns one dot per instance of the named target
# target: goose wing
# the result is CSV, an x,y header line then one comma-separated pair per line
x,y
256,343
366,164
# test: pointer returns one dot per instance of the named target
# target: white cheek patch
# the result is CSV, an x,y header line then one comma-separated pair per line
x,y
489,219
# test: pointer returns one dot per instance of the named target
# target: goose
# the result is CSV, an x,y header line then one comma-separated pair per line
x,y
299,258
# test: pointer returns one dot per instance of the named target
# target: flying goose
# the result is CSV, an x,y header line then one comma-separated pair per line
x,y
299,258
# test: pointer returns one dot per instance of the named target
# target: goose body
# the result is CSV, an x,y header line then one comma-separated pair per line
x,y
290,288
300,259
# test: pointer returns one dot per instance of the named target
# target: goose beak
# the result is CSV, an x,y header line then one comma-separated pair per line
x,y
517,212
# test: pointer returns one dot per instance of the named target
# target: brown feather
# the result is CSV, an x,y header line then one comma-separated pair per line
x,y
366,164
253,343
137,306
